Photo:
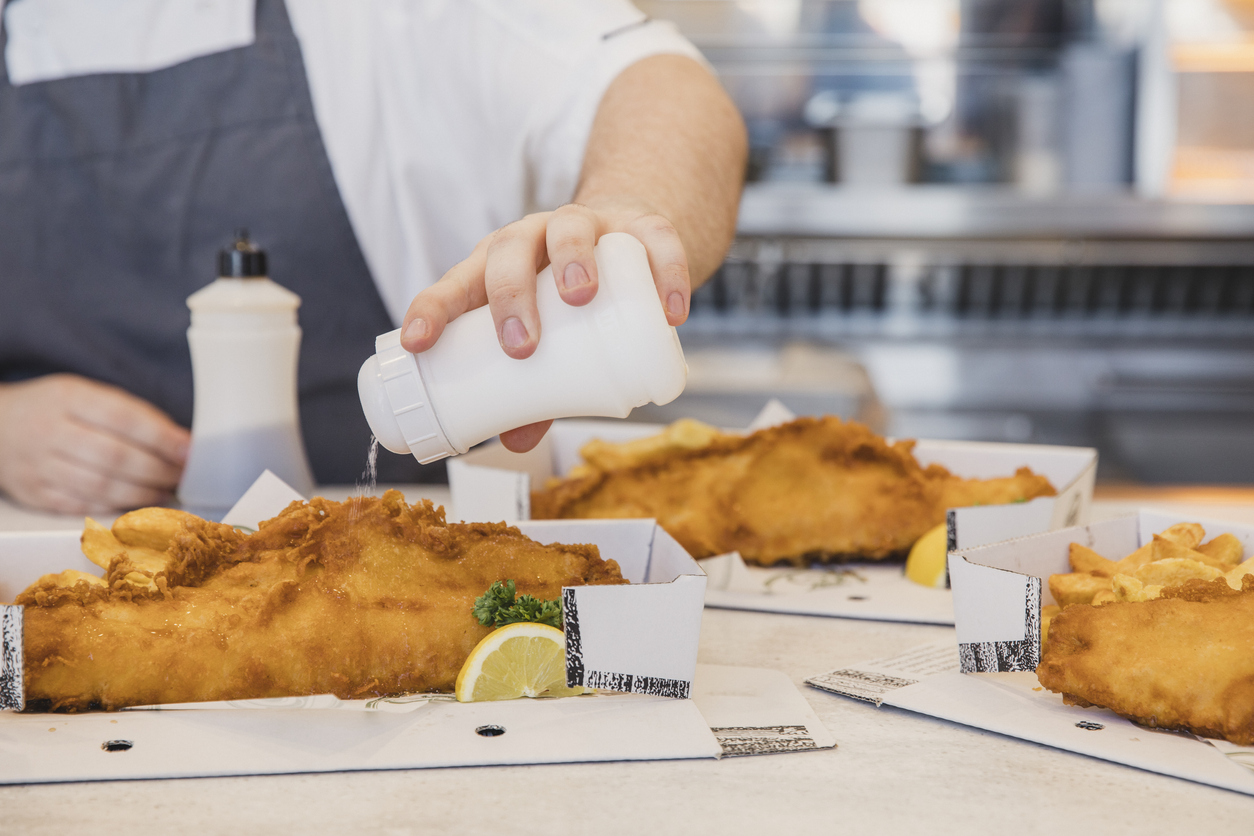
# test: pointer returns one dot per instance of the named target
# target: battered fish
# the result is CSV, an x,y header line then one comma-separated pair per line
x,y
359,599
1182,661
812,490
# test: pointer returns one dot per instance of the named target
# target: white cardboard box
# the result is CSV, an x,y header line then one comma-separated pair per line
x,y
492,484
639,638
999,589
733,711
650,650
987,679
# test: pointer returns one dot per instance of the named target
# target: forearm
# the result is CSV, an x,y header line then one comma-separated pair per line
x,y
667,137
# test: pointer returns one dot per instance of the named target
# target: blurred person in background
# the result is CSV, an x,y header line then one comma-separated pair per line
x,y
401,162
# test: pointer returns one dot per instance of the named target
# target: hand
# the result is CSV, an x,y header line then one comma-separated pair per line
x,y
75,446
501,273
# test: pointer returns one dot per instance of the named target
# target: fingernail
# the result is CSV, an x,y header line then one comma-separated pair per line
x,y
574,276
513,334
675,304
415,330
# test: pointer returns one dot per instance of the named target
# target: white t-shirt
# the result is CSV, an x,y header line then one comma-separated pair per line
x,y
443,119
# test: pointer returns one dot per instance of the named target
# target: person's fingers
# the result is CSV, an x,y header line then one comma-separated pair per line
x,y
99,490
669,264
101,451
459,290
570,236
73,445
523,438
515,255
48,497
127,433
51,498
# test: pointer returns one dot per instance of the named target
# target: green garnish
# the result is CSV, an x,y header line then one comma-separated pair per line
x,y
498,607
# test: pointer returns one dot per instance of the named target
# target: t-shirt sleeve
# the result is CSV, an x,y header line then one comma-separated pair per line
x,y
578,48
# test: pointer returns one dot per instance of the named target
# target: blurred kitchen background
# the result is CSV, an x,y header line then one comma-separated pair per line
x,y
1005,220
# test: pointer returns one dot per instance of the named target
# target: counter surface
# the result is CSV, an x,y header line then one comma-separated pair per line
x,y
893,771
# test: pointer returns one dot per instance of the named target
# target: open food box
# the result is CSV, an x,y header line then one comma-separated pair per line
x,y
988,679
641,638
491,484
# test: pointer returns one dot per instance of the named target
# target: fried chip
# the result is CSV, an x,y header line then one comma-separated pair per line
x,y
150,528
1129,588
1184,534
101,547
1105,596
1225,549
1237,573
1076,587
70,577
1136,560
98,544
1165,549
1047,615
684,434
1084,559
1173,571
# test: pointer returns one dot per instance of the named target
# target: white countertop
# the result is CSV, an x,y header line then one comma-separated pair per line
x,y
892,772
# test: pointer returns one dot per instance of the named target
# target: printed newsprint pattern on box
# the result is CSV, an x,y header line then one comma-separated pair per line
x,y
12,690
1023,655
738,741
578,674
873,681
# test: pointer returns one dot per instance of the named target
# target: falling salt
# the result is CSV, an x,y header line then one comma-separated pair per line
x,y
369,481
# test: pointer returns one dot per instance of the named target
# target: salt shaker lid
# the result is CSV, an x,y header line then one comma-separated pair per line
x,y
397,406
243,259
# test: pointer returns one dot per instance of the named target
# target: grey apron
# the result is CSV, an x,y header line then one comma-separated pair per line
x,y
116,192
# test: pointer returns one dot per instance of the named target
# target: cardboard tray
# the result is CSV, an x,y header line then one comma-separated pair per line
x,y
987,680
999,589
493,484
490,484
639,638
733,711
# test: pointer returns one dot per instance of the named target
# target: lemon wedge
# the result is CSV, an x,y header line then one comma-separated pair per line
x,y
518,660
926,563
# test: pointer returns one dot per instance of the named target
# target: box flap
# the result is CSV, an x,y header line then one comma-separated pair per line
x,y
491,484
643,637
198,743
864,590
755,711
997,616
925,679
1009,704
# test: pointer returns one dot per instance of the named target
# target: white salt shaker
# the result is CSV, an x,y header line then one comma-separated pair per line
x,y
601,359
244,342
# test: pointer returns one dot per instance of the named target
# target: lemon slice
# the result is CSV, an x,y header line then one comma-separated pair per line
x,y
518,660
926,563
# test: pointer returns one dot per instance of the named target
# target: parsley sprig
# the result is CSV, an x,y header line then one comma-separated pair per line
x,y
498,607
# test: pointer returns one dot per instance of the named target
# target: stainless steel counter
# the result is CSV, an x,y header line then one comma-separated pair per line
x,y
920,211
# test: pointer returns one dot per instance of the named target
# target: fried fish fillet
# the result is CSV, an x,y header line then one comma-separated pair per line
x,y
363,598
1182,661
812,490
